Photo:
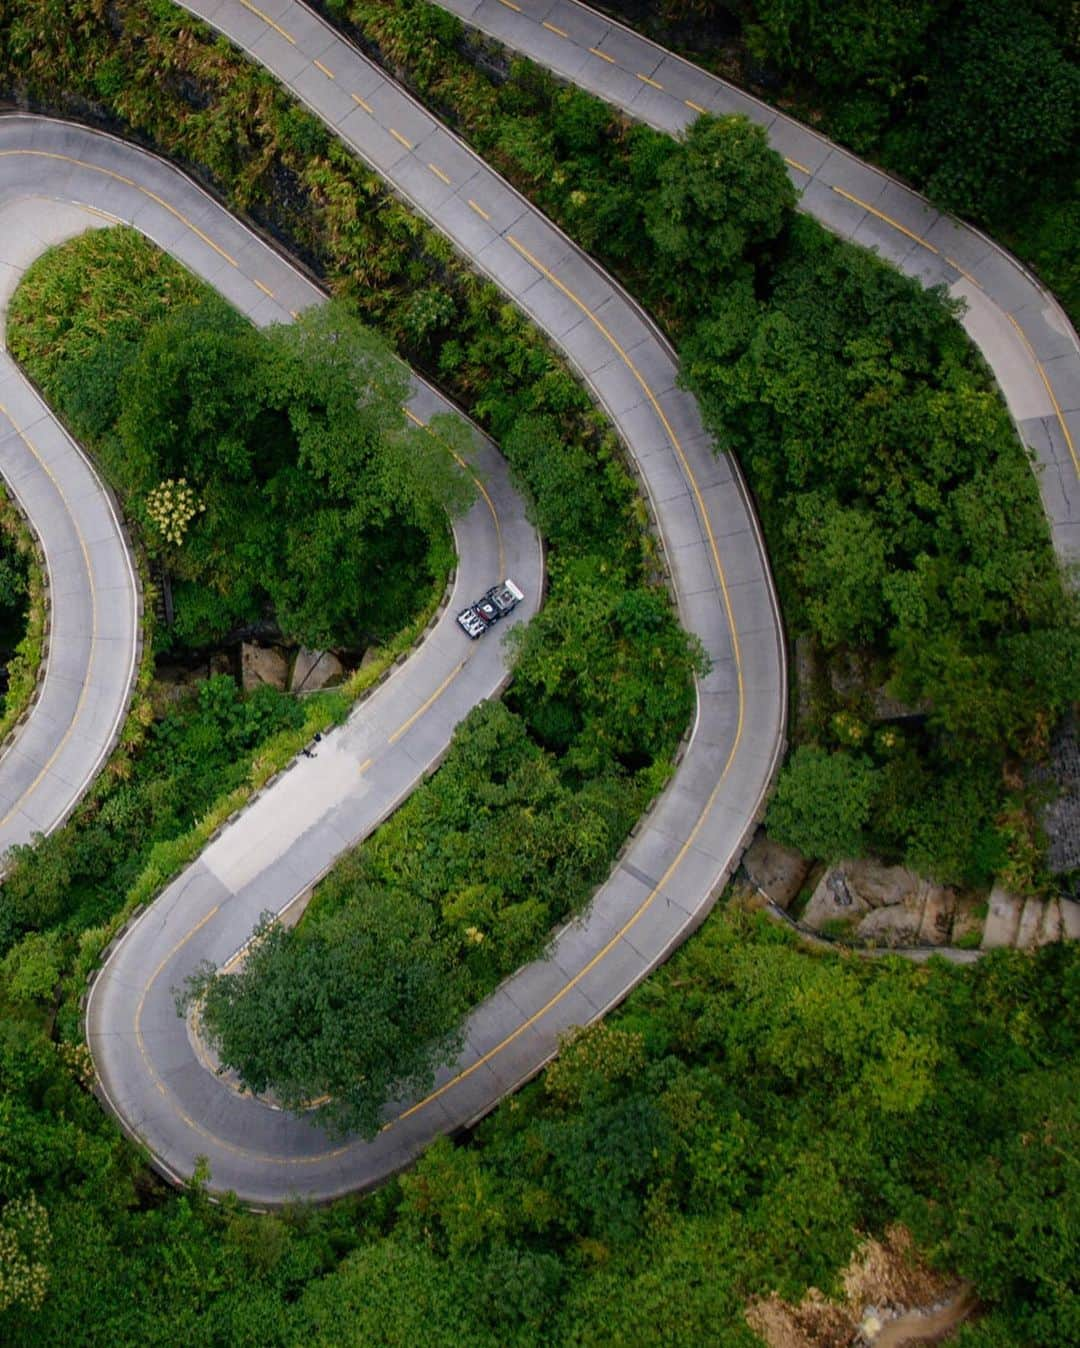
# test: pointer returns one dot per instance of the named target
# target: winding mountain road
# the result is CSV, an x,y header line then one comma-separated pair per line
x,y
1022,331
93,596
152,1074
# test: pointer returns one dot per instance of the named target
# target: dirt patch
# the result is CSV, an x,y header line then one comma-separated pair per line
x,y
890,1298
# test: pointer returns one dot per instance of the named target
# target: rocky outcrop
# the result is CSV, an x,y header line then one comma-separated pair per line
x,y
776,870
884,905
262,664
313,670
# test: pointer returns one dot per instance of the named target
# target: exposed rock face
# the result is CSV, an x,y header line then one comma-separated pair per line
x,y
777,870
895,926
834,898
313,670
1061,817
894,905
259,665
1002,919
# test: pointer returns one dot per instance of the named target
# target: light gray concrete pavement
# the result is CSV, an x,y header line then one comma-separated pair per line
x,y
682,852
1023,333
290,835
93,593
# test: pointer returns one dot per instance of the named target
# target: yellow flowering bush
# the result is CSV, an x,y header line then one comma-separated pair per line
x,y
171,507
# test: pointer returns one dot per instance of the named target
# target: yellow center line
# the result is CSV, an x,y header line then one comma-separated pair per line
x,y
153,979
602,55
268,20
695,107
794,163
888,219
476,479
407,725
559,32
265,289
401,139
364,766
965,274
1049,389
479,210
93,621
366,106
439,174
328,73
510,5
128,182
645,79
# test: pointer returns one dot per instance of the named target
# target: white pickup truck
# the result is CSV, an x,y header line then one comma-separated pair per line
x,y
500,600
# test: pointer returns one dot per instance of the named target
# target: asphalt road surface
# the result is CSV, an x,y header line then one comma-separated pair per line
x,y
93,593
683,850
151,1074
1022,331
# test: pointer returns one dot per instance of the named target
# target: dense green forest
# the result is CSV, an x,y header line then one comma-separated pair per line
x,y
728,1132
753,1106
901,514
537,793
259,465
976,102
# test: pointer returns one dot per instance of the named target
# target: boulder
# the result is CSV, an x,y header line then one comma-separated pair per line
x,y
880,886
833,899
1002,919
1030,924
369,657
261,664
313,670
1070,919
938,910
894,926
221,663
776,870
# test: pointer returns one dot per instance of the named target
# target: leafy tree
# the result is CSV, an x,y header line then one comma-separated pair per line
x,y
361,1009
845,43
822,803
722,197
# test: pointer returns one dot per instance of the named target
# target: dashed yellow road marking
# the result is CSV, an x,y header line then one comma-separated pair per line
x,y
794,163
645,79
325,70
265,289
401,139
965,274
479,210
602,55
364,766
559,32
361,103
888,219
268,20
401,730
93,619
694,107
510,5
1049,389
439,174
479,485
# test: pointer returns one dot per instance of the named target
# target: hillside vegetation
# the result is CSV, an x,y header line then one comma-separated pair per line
x,y
975,102
753,1107
901,513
